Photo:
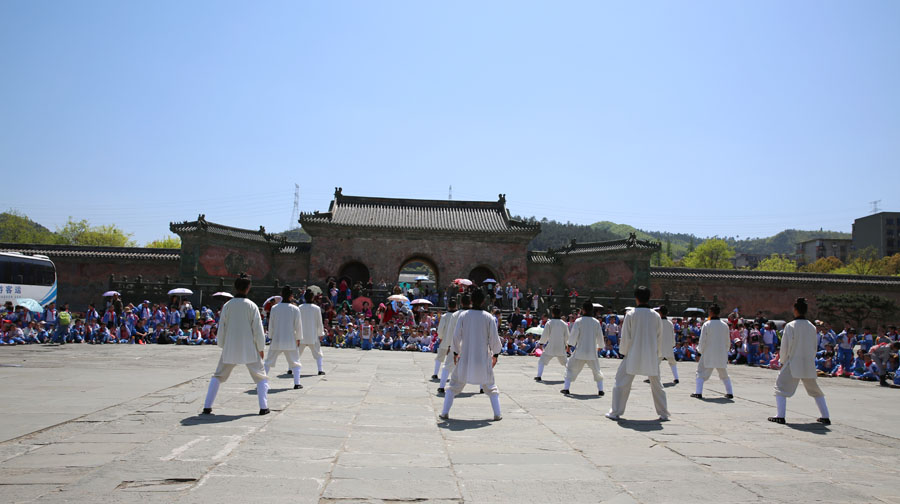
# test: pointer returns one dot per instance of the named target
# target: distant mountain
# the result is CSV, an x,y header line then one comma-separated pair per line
x,y
295,235
557,234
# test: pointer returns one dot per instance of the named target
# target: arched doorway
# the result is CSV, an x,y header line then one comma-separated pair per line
x,y
418,277
480,274
354,272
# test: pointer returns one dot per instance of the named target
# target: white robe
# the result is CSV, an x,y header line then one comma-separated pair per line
x,y
241,334
586,336
312,328
445,329
641,342
798,348
715,340
475,339
668,341
284,327
554,337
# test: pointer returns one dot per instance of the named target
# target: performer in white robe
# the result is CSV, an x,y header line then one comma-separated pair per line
x,y
553,341
444,334
284,331
715,340
668,341
798,363
475,346
449,364
586,335
311,329
243,341
641,342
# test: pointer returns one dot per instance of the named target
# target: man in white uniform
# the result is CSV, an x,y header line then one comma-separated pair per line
x,y
798,363
714,343
311,329
243,341
443,330
453,319
284,331
475,347
586,336
641,343
553,341
668,341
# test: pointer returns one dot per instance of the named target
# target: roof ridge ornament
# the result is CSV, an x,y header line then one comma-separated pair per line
x,y
338,192
631,241
502,199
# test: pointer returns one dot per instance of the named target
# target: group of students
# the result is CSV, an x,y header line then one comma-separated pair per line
x,y
471,346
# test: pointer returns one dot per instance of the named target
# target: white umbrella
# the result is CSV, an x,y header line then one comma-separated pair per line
x,y
223,294
422,278
273,299
398,297
463,281
490,280
181,291
111,293
421,301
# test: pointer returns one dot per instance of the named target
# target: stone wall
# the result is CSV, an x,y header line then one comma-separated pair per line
x,y
83,280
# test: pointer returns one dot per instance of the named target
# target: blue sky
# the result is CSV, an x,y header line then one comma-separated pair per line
x,y
717,118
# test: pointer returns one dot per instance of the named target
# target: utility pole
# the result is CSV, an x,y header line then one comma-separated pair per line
x,y
875,208
450,195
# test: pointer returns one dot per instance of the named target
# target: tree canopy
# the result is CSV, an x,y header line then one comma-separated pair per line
x,y
166,242
856,308
777,262
711,254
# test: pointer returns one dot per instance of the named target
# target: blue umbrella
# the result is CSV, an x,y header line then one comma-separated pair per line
x,y
29,304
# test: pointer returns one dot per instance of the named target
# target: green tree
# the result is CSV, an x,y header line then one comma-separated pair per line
x,y
82,233
711,254
777,262
166,242
863,262
823,265
15,227
855,307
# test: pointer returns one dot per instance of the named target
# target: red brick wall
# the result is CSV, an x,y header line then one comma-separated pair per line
x,y
384,257
775,301
82,281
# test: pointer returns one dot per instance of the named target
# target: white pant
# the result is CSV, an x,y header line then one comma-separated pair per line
x,y
291,356
315,348
256,369
703,373
544,359
622,389
786,384
574,366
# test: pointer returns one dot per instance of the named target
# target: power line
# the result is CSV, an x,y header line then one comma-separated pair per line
x,y
295,213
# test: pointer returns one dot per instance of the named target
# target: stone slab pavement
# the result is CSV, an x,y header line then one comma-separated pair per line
x,y
120,424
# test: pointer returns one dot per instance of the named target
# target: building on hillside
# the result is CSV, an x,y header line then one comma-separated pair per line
x,y
746,261
878,230
811,250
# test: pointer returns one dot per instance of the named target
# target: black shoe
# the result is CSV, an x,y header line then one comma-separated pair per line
x,y
206,411
481,391
824,421
729,396
884,383
647,380
676,381
298,386
434,377
564,391
537,378
778,420
290,371
697,396
441,390
601,393
321,373
264,411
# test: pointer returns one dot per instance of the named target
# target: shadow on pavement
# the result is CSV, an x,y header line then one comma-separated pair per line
x,y
814,427
461,425
271,390
641,425
583,397
213,419
718,400
552,382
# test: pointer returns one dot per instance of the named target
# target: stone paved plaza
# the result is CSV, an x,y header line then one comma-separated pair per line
x,y
119,424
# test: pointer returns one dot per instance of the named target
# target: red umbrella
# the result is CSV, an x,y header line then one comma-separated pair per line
x,y
463,281
358,303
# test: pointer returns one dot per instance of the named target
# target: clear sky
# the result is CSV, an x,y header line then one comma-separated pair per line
x,y
717,118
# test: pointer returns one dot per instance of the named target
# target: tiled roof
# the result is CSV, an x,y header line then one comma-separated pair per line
x,y
687,274
204,226
294,248
413,214
574,248
74,251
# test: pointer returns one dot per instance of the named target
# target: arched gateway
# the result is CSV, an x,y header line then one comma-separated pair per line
x,y
450,237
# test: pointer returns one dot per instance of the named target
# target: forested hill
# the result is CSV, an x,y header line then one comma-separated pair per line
x,y
557,234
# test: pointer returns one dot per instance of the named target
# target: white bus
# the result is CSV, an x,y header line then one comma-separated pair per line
x,y
26,276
